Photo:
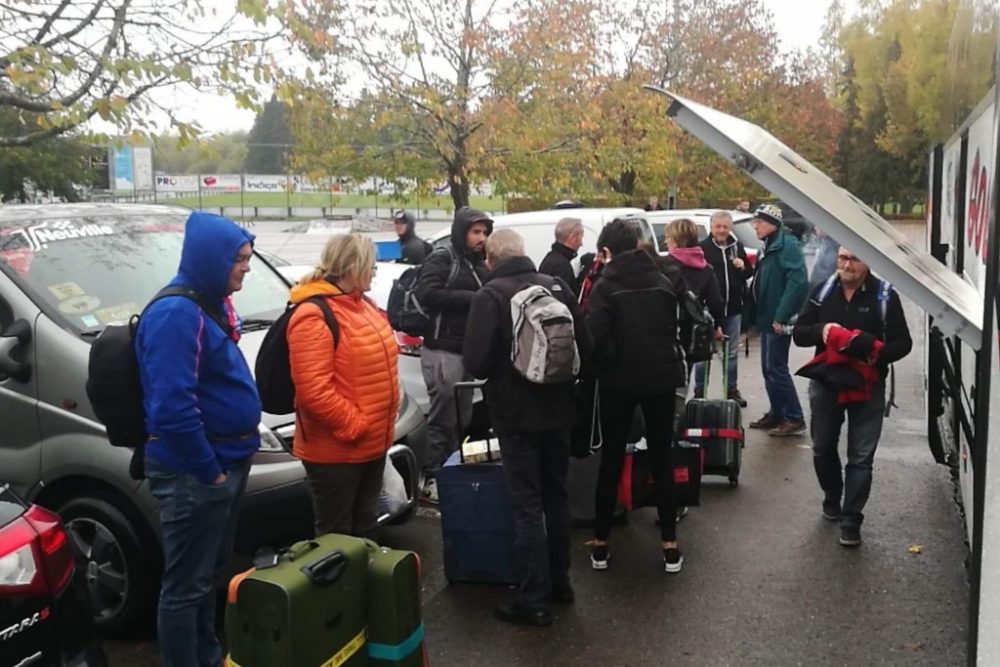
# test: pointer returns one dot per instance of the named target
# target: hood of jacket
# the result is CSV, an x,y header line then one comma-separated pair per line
x,y
690,257
411,225
464,219
731,242
775,241
513,266
632,269
211,244
322,287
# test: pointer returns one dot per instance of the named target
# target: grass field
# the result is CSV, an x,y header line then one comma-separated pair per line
x,y
493,204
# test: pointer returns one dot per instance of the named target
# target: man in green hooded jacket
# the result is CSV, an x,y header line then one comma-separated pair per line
x,y
779,290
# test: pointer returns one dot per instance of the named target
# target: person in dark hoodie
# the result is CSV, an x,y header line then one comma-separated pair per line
x,y
202,414
533,422
853,305
448,281
728,258
558,262
632,322
412,250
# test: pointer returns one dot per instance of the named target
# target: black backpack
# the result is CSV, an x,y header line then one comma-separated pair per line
x,y
273,369
113,384
697,330
404,309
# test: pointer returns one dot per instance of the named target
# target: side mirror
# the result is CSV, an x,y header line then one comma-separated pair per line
x,y
12,340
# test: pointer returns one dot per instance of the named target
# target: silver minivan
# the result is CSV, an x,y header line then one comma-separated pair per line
x,y
66,272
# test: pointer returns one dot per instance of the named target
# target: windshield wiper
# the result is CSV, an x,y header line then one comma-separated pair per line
x,y
256,324
91,334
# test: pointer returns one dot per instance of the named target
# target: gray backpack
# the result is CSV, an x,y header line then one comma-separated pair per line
x,y
544,349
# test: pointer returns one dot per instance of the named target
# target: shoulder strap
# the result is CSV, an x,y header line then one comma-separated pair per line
x,y
331,319
199,300
456,262
824,291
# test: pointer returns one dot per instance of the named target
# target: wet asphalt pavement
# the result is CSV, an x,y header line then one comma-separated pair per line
x,y
764,580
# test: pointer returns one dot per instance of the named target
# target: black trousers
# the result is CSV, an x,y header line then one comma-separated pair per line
x,y
535,465
345,496
617,410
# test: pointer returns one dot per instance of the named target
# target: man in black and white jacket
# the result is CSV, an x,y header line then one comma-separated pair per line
x,y
728,257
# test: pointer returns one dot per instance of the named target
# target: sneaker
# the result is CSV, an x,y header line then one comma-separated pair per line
x,y
788,428
765,422
735,395
831,510
599,556
850,536
513,613
430,491
682,512
673,559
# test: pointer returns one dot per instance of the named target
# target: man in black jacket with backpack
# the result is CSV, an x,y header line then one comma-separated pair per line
x,y
449,278
531,408
860,318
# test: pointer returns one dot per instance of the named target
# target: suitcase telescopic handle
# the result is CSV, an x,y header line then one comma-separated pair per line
x,y
326,570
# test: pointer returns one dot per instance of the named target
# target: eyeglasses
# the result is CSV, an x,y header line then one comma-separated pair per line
x,y
847,258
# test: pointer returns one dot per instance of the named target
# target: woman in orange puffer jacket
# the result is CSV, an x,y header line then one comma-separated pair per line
x,y
346,394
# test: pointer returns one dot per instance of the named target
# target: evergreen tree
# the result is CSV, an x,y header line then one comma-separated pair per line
x,y
269,144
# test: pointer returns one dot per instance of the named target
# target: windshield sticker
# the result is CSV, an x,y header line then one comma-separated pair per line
x,y
119,314
64,291
90,321
38,237
78,305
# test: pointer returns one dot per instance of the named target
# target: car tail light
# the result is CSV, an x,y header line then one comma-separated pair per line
x,y
409,345
35,555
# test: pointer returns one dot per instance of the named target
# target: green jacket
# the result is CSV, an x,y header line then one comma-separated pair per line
x,y
781,285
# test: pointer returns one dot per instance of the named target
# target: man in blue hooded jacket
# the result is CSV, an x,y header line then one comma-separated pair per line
x,y
202,414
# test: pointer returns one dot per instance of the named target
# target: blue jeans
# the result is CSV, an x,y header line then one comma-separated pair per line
x,y
730,329
778,383
198,523
852,484
535,465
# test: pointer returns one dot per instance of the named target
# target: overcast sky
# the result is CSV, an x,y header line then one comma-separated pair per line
x,y
798,23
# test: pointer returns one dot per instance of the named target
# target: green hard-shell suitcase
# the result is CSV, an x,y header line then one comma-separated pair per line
x,y
307,610
395,628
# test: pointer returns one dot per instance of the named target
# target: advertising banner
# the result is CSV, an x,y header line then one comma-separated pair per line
x,y
142,165
321,185
269,183
123,175
176,183
950,195
978,182
221,182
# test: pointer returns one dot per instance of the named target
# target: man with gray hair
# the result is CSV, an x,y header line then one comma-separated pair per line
x,y
533,422
558,263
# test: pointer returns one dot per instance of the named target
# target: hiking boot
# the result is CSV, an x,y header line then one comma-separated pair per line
x,y
765,422
831,510
735,395
850,536
599,556
673,559
788,428
512,613
430,491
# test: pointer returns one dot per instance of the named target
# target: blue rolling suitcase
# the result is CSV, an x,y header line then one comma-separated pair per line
x,y
477,524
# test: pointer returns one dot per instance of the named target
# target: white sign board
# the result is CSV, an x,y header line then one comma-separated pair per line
x,y
978,190
142,163
268,183
221,182
176,183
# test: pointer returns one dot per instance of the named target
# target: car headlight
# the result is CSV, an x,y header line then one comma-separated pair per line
x,y
270,442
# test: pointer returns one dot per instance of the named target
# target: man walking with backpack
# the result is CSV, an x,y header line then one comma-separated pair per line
x,y
412,250
530,397
448,280
202,416
857,325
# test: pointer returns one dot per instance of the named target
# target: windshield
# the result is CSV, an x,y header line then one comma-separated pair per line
x,y
92,272
746,235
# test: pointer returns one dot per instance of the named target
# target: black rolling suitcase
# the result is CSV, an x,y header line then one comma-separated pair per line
x,y
717,425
